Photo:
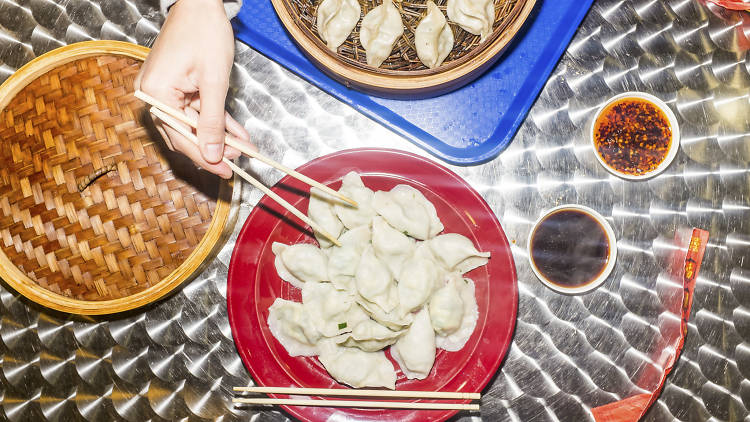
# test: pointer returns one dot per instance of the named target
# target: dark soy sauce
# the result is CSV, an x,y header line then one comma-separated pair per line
x,y
570,248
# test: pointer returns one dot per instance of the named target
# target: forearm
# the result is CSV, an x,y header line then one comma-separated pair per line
x,y
232,7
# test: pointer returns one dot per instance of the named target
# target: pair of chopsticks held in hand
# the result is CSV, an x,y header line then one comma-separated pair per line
x,y
184,125
389,394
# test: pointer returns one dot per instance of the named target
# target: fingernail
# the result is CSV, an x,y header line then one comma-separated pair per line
x,y
213,152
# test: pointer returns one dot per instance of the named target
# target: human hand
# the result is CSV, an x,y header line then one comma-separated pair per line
x,y
188,69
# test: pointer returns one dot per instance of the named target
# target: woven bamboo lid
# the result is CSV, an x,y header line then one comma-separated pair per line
x,y
402,74
96,215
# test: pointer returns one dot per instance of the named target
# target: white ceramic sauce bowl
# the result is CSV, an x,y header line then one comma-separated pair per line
x,y
582,288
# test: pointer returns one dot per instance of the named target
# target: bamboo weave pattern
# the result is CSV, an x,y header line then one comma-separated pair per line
x,y
130,227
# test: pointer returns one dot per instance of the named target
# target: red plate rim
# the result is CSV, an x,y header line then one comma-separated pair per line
x,y
489,352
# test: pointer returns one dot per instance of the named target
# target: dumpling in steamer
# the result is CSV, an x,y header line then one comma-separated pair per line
x,y
362,214
381,28
457,253
336,20
320,210
415,350
355,367
292,328
390,245
300,263
407,210
433,37
474,16
374,281
456,340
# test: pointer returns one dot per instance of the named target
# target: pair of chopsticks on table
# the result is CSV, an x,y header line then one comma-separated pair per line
x,y
177,120
392,394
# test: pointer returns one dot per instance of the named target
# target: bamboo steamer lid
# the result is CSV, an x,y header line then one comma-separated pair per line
x,y
96,215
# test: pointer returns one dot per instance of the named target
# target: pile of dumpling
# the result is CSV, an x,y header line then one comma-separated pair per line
x,y
394,281
382,27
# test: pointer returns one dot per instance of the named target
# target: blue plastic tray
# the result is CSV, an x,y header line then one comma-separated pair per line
x,y
468,126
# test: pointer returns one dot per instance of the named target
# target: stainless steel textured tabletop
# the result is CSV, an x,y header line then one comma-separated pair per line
x,y
176,359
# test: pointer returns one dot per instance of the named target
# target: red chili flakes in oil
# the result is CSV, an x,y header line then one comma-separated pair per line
x,y
633,136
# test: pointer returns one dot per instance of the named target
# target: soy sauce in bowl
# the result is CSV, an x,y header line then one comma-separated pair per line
x,y
572,249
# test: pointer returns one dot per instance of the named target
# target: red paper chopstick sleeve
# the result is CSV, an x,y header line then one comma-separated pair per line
x,y
634,407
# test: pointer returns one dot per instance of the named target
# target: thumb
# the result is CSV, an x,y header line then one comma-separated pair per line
x,y
211,120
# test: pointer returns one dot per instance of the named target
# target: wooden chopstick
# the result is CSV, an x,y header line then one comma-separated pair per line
x,y
178,126
362,393
242,147
359,403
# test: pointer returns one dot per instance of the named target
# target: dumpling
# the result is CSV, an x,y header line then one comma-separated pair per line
x,y
433,37
343,260
320,210
415,350
300,263
369,336
336,20
457,253
292,328
474,16
446,307
331,311
456,340
392,319
355,367
381,28
362,214
390,245
408,211
416,283
374,281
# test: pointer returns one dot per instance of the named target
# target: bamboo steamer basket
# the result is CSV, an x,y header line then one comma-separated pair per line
x,y
402,75
96,215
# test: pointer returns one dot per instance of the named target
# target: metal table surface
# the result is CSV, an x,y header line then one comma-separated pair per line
x,y
176,359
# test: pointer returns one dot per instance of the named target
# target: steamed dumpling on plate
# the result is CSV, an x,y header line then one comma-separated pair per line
x,y
393,319
357,368
415,350
456,340
343,260
406,209
474,16
390,245
381,28
361,215
300,263
433,37
331,311
320,210
369,336
291,326
336,20
374,281
447,308
416,283
456,252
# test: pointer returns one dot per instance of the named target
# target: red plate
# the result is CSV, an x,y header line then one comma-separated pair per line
x,y
253,283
